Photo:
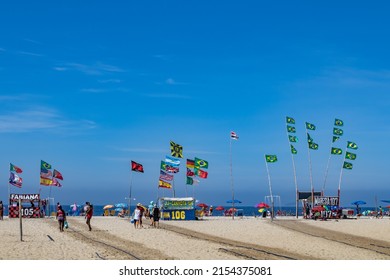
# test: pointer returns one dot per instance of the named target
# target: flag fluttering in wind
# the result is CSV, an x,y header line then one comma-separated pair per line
x,y
168,168
335,138
137,167
347,165
15,180
163,184
350,156
291,129
338,122
310,126
271,158
290,120
352,145
200,173
176,150
14,168
338,131
200,163
190,163
45,165
190,173
57,174
165,176
55,182
336,151
293,150
293,138
233,135
45,173
172,161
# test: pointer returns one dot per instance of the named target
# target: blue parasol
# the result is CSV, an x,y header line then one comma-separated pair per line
x,y
358,202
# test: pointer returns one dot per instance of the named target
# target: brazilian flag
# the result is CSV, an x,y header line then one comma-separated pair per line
x,y
338,131
335,138
271,158
45,165
352,145
338,122
291,129
309,139
313,146
336,151
350,156
293,150
292,138
290,120
347,165
310,126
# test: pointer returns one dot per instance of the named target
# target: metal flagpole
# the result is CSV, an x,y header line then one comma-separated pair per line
x,y
326,173
270,190
310,170
131,184
173,187
339,188
231,177
295,178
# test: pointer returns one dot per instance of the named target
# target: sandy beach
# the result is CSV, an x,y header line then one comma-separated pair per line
x,y
213,238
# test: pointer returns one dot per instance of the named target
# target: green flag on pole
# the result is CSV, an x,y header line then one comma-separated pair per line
x,y
271,158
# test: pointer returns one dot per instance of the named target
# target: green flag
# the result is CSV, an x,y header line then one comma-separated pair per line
x,y
313,146
338,122
292,138
338,131
352,145
293,150
335,138
190,181
200,163
350,156
271,158
309,139
310,126
347,165
290,120
45,165
291,129
336,151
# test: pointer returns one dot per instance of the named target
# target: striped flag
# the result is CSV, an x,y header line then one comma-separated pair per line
x,y
233,135
165,176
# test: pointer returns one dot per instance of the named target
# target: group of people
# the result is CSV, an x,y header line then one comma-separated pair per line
x,y
152,212
61,215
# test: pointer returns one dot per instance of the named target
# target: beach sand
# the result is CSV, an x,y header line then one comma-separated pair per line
x,y
213,238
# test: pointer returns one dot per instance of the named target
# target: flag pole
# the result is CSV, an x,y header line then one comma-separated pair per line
x,y
295,179
341,175
270,189
231,177
131,185
173,187
310,170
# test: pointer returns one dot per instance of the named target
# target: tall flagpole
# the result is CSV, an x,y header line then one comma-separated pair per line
x,y
339,188
131,185
310,170
295,178
231,177
270,189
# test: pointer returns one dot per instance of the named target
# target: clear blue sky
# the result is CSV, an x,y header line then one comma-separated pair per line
x,y
88,86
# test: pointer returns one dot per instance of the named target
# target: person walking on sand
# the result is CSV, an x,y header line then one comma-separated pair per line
x,y
1,210
61,217
137,214
89,214
156,216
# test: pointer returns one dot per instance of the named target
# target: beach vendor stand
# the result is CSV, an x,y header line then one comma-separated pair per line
x,y
30,204
329,205
177,209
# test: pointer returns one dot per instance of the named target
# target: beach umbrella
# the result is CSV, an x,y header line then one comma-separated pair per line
x,y
358,202
121,205
233,201
118,209
109,206
388,206
262,205
219,208
203,205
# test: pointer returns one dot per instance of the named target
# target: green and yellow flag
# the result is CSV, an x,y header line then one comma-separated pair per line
x,y
335,138
310,126
350,156
293,150
292,138
200,163
45,165
271,158
338,122
313,146
176,150
291,129
352,145
336,151
347,165
338,131
290,120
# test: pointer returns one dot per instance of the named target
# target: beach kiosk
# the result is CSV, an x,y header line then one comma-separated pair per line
x,y
177,209
30,204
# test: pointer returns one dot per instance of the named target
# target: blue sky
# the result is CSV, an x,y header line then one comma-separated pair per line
x,y
90,86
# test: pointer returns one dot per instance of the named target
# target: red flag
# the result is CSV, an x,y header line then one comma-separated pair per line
x,y
57,174
15,168
201,173
56,183
137,167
